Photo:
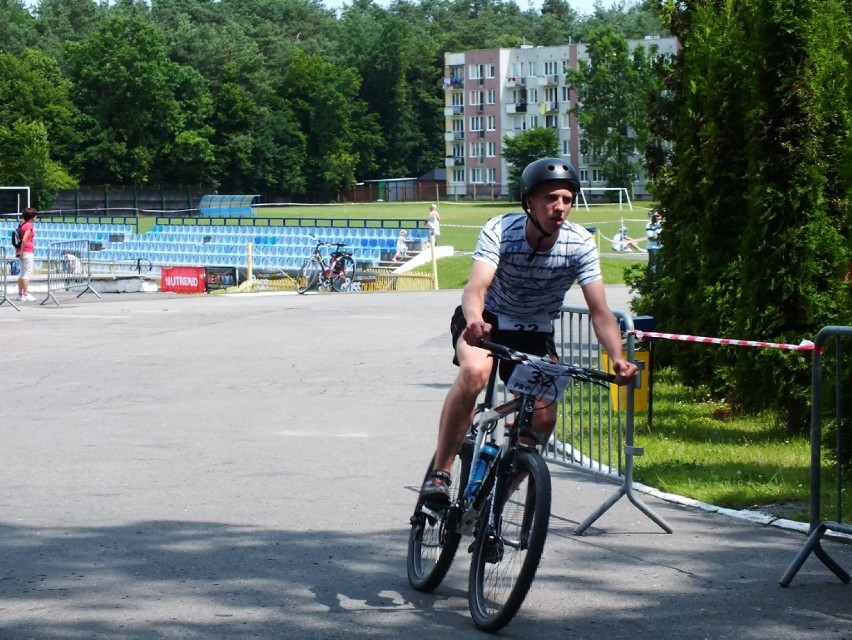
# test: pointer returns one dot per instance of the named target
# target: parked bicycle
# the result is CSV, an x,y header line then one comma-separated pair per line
x,y
503,493
337,273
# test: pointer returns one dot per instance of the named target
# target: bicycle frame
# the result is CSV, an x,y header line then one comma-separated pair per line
x,y
328,266
484,425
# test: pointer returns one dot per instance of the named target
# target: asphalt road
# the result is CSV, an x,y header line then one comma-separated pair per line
x,y
245,466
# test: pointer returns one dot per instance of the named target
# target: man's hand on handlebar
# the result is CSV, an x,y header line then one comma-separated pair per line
x,y
476,332
624,371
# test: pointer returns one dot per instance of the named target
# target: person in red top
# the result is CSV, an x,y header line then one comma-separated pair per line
x,y
25,254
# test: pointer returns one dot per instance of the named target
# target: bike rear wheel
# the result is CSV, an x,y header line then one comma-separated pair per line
x,y
509,544
308,275
434,537
343,273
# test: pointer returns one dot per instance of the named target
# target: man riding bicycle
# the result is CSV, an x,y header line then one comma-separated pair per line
x,y
523,266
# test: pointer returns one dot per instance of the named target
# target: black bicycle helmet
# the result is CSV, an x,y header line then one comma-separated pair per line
x,y
546,170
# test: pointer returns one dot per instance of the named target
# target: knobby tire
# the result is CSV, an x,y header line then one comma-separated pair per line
x,y
508,547
432,543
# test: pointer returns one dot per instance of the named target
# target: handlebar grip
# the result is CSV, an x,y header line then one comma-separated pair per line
x,y
503,350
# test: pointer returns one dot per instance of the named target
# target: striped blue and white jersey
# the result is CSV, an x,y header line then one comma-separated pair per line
x,y
524,288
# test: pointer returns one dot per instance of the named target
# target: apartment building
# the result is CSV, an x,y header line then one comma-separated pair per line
x,y
490,94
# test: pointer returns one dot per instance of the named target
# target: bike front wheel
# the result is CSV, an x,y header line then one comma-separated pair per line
x,y
308,275
434,536
509,542
343,273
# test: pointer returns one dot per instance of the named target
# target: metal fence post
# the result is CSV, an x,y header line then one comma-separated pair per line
x,y
819,529
580,347
4,281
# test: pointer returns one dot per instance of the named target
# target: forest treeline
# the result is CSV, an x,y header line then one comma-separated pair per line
x,y
247,96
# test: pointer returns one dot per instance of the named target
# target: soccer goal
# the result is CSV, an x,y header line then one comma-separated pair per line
x,y
623,196
13,200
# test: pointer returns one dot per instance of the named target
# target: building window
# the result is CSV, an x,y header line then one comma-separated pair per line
x,y
492,149
458,175
489,96
476,176
551,68
533,122
566,147
489,71
476,123
551,96
458,125
457,98
475,71
584,175
475,149
492,175
492,123
597,175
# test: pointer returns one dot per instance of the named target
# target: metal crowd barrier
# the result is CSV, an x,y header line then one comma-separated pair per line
x,y
69,267
590,433
4,279
818,528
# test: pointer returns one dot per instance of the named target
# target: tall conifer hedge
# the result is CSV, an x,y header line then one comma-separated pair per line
x,y
755,191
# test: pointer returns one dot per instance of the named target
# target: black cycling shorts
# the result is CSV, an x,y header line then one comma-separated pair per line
x,y
538,343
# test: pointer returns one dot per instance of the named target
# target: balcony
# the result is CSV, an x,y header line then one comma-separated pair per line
x,y
450,136
551,107
516,107
511,81
455,110
454,161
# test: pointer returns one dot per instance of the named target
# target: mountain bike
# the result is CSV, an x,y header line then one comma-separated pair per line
x,y
337,273
507,511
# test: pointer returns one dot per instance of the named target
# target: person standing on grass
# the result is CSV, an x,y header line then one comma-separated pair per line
x,y
523,266
433,221
25,254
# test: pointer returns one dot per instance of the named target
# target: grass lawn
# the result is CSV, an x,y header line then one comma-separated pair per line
x,y
695,448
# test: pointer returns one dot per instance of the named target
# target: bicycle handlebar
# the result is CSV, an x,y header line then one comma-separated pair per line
x,y
324,243
581,373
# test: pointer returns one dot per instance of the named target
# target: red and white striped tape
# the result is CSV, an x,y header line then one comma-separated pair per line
x,y
804,345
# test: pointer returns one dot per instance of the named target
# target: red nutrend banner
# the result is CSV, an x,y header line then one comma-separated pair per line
x,y
184,279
